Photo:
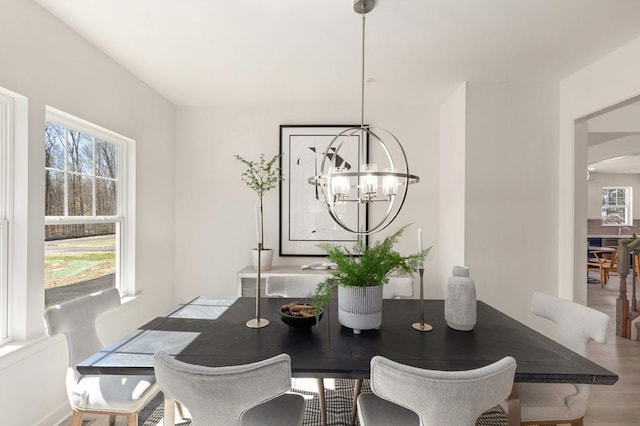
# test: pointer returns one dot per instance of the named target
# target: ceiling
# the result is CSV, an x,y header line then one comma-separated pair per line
x,y
614,140
626,164
257,52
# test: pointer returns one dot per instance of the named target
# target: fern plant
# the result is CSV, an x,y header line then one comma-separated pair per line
x,y
366,266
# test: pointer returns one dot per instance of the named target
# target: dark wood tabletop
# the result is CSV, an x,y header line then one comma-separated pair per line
x,y
212,332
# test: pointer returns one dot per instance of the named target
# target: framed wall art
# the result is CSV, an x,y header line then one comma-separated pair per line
x,y
304,219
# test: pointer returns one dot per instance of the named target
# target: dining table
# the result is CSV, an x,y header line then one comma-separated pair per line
x,y
212,332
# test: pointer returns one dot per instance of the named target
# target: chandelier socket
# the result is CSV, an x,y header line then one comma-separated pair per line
x,y
363,6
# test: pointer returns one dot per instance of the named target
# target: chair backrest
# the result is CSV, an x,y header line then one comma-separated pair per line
x,y
398,287
293,285
76,319
576,323
443,397
613,261
220,395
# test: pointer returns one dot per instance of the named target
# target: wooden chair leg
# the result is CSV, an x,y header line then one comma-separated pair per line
x,y
354,408
112,420
76,418
322,400
132,419
169,411
180,410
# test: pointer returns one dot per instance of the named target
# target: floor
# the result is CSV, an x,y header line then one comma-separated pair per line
x,y
615,405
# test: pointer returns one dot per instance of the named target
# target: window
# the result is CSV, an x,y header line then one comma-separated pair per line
x,y
616,206
6,111
88,200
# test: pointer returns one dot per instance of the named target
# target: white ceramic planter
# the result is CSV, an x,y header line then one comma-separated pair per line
x,y
266,259
360,308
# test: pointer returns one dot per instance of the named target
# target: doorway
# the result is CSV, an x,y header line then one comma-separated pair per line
x,y
611,148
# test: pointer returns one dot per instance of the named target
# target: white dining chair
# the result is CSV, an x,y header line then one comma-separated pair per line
x,y
398,288
406,395
292,285
248,395
98,394
552,403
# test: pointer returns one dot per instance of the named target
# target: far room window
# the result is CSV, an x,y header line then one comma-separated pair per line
x,y
616,205
88,220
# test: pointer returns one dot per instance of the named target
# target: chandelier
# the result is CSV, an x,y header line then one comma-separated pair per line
x,y
382,186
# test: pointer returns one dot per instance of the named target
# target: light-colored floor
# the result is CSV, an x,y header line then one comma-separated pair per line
x,y
618,404
615,405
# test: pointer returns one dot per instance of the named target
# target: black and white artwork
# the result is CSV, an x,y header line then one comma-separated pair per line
x,y
304,219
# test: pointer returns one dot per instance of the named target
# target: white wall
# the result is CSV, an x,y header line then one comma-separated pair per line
x,y
51,65
605,83
451,240
215,228
511,170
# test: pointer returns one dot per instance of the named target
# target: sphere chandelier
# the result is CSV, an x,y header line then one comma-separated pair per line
x,y
382,186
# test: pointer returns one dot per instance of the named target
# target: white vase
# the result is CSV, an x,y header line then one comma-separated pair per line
x,y
266,259
460,307
360,308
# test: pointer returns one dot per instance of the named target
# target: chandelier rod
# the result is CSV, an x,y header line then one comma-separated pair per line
x,y
362,80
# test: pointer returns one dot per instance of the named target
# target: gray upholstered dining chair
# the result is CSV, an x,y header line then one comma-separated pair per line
x,y
405,395
249,394
552,403
97,394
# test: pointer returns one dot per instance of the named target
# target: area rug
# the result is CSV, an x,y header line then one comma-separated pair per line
x,y
339,394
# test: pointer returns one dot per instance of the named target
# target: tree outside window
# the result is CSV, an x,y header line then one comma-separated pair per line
x,y
616,206
84,218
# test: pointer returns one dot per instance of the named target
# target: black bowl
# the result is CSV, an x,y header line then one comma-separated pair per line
x,y
298,323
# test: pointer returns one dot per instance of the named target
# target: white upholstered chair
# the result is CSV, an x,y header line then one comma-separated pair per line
x,y
405,395
98,394
552,403
249,394
397,288
292,285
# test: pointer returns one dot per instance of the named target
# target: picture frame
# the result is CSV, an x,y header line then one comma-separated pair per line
x,y
304,219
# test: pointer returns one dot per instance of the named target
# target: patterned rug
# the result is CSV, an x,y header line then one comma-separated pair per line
x,y
339,393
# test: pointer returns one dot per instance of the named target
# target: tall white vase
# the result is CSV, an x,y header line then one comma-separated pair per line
x,y
266,259
460,307
360,308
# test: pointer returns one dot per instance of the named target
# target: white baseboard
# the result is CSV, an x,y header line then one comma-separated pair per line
x,y
57,417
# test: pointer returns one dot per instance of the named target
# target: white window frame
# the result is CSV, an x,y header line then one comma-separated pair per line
x,y
125,217
6,194
628,206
